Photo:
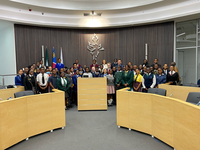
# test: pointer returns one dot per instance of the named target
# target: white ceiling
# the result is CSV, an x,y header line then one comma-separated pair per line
x,y
87,4
57,13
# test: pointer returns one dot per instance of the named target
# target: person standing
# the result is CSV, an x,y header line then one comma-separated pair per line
x,y
110,87
87,73
74,78
53,80
105,66
59,65
137,84
42,80
94,64
18,80
127,77
30,82
41,63
119,63
68,76
145,63
156,62
114,64
148,80
176,70
118,78
77,63
172,77
109,67
24,75
160,77
165,69
63,85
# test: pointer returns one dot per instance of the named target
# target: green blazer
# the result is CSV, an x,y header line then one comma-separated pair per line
x,y
60,87
118,78
127,79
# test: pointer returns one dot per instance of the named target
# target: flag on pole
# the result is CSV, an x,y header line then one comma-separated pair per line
x,y
61,56
54,58
46,59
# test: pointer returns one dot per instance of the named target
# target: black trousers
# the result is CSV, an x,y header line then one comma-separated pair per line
x,y
43,91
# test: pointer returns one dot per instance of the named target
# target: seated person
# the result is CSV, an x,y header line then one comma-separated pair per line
x,y
87,73
18,78
160,77
148,80
172,77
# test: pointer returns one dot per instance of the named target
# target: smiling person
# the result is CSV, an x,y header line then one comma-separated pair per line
x,y
172,76
127,77
30,82
137,84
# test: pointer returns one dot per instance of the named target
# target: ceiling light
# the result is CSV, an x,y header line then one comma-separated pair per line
x,y
93,23
180,34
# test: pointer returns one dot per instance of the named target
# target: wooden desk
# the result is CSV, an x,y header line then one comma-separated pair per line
x,y
92,93
23,117
171,120
6,93
179,92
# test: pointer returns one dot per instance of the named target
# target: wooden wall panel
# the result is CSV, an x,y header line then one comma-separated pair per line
x,y
127,43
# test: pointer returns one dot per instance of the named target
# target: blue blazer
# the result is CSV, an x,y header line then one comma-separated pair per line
x,y
18,80
161,79
74,78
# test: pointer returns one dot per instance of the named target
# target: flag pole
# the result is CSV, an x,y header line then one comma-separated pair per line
x,y
43,54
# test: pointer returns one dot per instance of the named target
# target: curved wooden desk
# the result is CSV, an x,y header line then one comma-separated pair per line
x,y
179,92
173,121
6,93
23,117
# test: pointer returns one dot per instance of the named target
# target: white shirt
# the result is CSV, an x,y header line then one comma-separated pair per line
x,y
153,84
88,74
39,79
105,66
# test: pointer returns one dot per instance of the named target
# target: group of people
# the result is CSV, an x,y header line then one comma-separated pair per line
x,y
139,78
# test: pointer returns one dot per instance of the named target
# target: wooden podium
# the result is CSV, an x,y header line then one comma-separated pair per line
x,y
92,93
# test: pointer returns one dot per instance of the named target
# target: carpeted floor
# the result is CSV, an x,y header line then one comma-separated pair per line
x,y
91,130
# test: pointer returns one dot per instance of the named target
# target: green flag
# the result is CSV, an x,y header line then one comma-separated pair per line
x,y
47,59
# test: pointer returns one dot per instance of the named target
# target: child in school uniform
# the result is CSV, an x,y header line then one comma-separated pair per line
x,y
81,71
118,78
110,87
127,78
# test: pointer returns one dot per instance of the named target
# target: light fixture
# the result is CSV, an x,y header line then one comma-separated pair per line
x,y
180,34
93,23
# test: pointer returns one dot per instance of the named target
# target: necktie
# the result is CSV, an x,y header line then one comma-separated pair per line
x,y
43,79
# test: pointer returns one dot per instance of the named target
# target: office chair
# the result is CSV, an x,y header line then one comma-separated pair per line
x,y
157,91
23,93
193,98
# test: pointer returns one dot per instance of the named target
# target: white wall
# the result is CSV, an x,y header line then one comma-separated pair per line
x,y
7,51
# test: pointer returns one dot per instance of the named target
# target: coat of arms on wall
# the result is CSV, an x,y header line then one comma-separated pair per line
x,y
94,48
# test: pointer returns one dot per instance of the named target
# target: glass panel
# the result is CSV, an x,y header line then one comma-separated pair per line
x,y
187,65
186,34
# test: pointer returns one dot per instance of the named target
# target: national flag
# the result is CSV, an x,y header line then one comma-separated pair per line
x,y
46,59
54,58
61,56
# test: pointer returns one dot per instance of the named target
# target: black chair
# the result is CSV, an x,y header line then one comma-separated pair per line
x,y
190,84
23,93
193,98
157,91
2,87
